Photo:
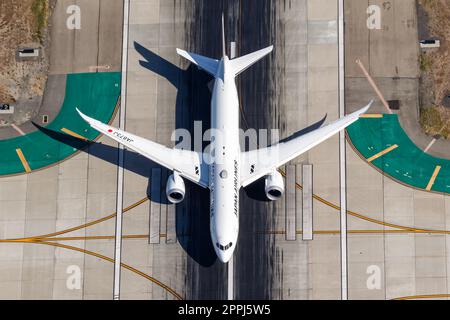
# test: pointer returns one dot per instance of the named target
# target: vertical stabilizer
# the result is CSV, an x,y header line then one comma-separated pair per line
x,y
223,37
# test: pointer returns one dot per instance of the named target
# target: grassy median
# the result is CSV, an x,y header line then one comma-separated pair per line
x,y
40,12
435,121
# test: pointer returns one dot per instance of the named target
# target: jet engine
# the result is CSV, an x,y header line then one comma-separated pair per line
x,y
175,189
274,186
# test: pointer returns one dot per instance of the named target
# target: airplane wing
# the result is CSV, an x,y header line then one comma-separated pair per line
x,y
258,163
188,164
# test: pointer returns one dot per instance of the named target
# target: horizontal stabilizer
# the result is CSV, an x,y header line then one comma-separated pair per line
x,y
208,64
240,64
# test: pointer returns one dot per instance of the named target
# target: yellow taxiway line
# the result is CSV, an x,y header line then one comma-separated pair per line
x,y
74,134
123,265
359,232
84,238
433,178
371,115
382,153
424,296
23,160
134,205
366,218
270,232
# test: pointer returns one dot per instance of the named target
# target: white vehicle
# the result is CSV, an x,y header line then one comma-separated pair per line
x,y
228,168
430,43
28,53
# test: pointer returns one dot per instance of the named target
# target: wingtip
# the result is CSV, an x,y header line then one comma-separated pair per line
x,y
369,105
183,53
364,110
82,115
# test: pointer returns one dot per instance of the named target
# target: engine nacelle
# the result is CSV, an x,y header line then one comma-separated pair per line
x,y
175,189
274,186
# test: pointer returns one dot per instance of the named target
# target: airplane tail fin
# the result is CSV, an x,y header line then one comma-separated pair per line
x,y
208,64
224,48
240,64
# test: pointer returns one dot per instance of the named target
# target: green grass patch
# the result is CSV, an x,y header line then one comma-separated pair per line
x,y
40,12
425,62
434,121
429,4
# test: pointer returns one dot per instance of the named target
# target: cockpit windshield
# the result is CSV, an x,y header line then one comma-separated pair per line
x,y
224,248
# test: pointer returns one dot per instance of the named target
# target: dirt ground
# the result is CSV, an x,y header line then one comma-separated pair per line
x,y
435,67
23,24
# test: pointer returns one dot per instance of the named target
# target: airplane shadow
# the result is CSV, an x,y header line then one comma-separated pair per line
x,y
255,190
306,130
192,104
134,162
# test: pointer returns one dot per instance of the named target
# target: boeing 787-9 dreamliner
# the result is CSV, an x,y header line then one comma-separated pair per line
x,y
228,168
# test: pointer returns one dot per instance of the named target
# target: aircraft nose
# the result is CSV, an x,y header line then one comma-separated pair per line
x,y
225,256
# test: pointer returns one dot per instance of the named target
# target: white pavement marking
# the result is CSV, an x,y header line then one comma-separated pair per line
x,y
232,50
342,162
307,202
434,140
230,265
230,291
429,145
374,86
291,208
119,204
96,68
18,129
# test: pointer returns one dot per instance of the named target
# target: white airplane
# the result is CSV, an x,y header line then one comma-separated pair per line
x,y
228,168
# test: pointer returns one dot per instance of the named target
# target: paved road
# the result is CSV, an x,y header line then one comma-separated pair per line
x,y
206,275
70,193
410,264
162,85
253,25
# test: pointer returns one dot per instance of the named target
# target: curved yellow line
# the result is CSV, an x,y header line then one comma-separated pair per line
x,y
423,296
123,265
131,236
362,217
49,235
275,232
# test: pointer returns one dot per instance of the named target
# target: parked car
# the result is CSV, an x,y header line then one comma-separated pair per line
x,y
430,43
28,53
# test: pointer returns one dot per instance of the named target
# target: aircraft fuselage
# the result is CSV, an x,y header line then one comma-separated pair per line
x,y
224,181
